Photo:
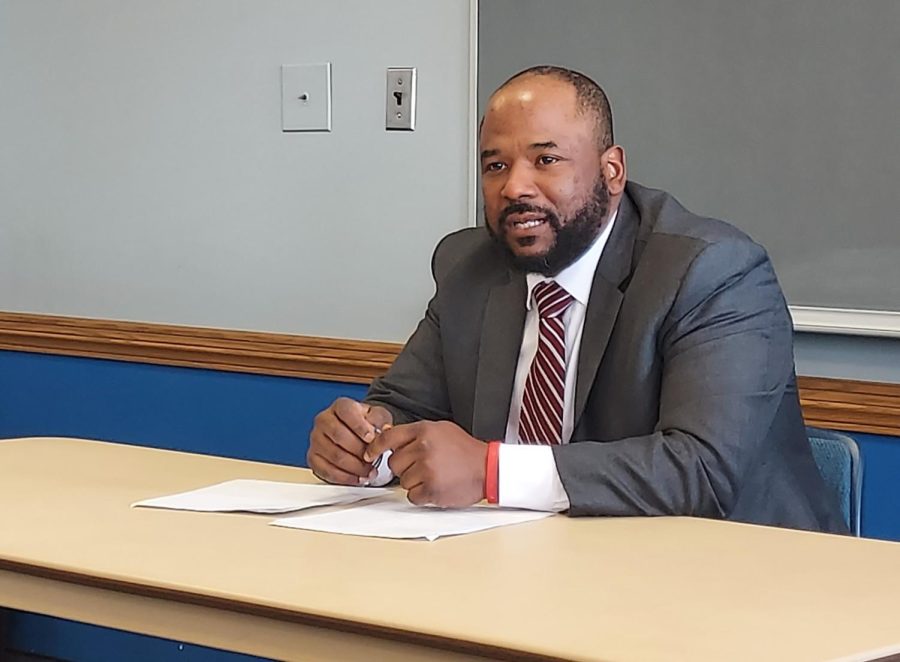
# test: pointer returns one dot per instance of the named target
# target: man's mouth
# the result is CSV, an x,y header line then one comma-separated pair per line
x,y
525,221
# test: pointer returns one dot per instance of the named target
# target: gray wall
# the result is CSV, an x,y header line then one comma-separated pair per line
x,y
144,174
778,116
848,357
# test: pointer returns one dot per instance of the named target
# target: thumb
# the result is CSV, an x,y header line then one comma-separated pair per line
x,y
379,417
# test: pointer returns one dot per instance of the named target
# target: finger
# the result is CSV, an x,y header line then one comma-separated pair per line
x,y
338,433
392,439
379,417
353,415
402,461
413,478
321,444
328,472
420,496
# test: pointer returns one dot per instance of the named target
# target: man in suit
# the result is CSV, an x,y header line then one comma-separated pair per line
x,y
635,358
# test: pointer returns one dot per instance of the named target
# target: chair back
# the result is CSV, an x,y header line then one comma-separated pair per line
x,y
837,456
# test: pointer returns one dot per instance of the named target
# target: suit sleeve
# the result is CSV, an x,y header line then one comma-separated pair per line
x,y
727,360
414,388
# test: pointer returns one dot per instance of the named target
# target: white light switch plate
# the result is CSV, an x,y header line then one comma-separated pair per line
x,y
306,97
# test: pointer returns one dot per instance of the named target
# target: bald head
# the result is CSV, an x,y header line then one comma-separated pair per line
x,y
548,178
590,97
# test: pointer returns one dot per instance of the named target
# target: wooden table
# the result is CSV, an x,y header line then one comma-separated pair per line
x,y
587,589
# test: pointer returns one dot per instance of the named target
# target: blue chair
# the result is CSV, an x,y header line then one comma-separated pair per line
x,y
840,464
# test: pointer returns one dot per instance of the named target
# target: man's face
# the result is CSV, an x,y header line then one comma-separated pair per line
x,y
545,197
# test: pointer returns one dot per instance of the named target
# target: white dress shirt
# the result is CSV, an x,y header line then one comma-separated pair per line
x,y
528,475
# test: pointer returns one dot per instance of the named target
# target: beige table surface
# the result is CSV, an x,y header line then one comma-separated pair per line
x,y
585,589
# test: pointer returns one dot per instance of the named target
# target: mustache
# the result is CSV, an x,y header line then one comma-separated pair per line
x,y
525,208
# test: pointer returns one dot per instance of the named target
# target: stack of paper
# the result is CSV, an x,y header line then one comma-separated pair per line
x,y
390,517
400,519
262,496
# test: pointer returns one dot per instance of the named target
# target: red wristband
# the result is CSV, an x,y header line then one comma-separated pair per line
x,y
492,473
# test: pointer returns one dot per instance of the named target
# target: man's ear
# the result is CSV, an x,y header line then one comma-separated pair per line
x,y
612,164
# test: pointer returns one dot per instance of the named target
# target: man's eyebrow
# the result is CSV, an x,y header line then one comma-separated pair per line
x,y
488,153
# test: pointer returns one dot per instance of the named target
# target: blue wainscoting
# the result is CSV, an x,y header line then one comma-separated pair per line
x,y
253,417
67,640
881,488
236,415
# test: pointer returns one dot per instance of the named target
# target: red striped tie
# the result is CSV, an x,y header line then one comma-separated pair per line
x,y
542,402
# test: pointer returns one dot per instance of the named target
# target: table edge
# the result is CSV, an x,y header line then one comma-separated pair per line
x,y
268,611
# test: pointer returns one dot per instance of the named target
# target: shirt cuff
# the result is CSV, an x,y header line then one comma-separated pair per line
x,y
529,479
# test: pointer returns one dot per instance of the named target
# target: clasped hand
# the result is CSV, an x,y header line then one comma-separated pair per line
x,y
437,462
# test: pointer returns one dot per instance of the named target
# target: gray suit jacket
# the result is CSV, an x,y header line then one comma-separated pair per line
x,y
685,400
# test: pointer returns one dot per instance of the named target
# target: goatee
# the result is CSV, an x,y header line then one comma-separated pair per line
x,y
572,239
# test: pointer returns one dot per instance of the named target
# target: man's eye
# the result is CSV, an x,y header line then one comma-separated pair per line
x,y
496,166
547,160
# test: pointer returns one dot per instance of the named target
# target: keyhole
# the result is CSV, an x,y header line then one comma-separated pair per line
x,y
399,97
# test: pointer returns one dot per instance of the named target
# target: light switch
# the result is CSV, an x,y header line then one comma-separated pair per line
x,y
400,99
306,97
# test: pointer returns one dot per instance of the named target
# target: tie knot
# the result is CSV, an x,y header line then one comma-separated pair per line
x,y
551,299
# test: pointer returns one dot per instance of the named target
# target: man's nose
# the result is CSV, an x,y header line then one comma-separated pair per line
x,y
519,183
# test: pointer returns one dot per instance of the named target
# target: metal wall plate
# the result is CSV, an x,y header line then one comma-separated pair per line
x,y
400,100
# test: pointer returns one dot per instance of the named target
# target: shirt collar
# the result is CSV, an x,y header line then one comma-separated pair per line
x,y
578,277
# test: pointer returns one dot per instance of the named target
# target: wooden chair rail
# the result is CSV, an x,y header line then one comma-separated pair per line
x,y
830,403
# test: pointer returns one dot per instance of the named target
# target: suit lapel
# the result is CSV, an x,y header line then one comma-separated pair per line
x,y
610,279
498,354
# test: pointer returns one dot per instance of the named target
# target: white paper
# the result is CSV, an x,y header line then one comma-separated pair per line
x,y
261,496
397,518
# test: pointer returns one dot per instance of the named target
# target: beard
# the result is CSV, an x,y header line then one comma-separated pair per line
x,y
571,239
